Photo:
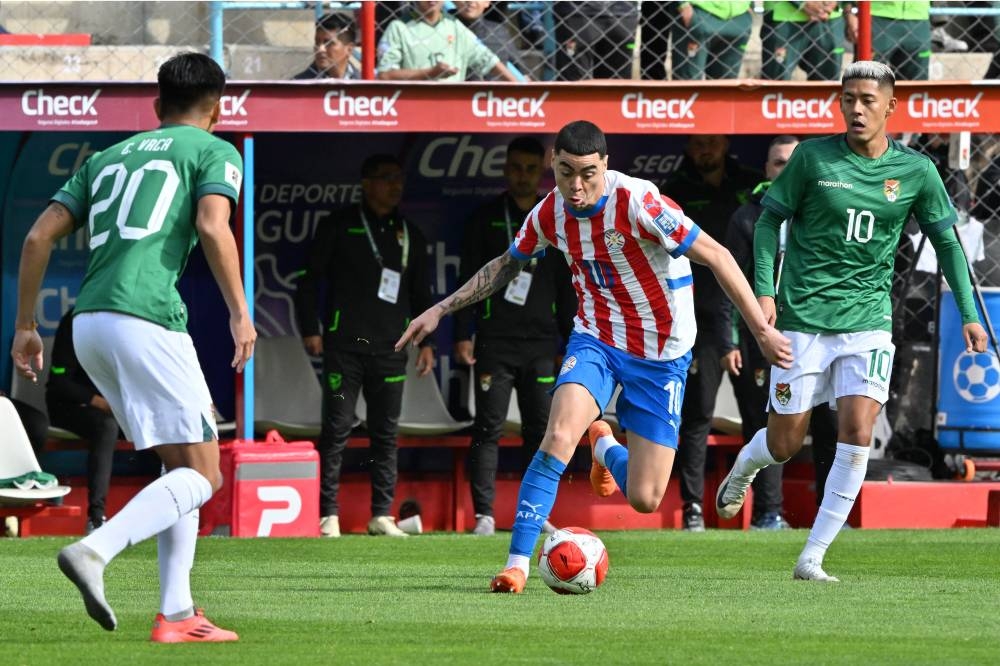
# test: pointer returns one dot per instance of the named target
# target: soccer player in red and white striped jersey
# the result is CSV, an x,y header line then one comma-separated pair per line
x,y
626,247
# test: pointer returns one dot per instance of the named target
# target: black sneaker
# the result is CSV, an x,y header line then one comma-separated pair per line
x,y
694,521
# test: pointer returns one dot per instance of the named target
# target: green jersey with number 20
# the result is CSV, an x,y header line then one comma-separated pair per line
x,y
139,199
847,214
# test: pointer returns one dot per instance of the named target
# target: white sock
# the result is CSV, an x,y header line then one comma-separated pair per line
x,y
522,562
157,506
175,549
754,456
603,444
842,488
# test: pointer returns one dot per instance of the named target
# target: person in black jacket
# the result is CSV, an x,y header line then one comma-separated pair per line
x,y
709,185
749,371
75,404
518,332
372,263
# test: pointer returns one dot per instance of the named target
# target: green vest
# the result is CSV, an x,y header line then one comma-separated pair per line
x,y
789,11
723,10
913,10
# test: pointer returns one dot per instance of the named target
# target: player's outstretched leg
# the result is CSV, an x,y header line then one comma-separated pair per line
x,y
195,629
85,569
752,458
842,487
601,480
534,504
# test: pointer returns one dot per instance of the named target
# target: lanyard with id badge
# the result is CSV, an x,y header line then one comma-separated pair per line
x,y
518,288
388,284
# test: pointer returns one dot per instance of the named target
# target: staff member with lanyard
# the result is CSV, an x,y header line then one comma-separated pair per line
x,y
373,264
518,330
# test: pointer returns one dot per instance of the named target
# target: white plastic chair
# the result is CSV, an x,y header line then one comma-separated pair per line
x,y
424,411
727,417
17,458
287,395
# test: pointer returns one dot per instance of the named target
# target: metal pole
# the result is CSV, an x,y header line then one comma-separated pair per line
x,y
215,33
248,276
368,40
864,45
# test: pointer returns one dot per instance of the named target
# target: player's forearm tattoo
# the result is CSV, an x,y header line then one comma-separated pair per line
x,y
490,277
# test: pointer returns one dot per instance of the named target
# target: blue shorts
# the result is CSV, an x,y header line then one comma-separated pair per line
x,y
652,391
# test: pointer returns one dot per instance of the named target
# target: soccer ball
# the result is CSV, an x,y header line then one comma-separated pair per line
x,y
573,561
977,376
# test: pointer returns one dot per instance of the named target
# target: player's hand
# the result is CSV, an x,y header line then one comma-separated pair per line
x,y
425,360
732,362
244,337
776,347
975,337
441,70
766,304
851,27
687,13
420,327
99,402
463,352
26,351
313,344
816,10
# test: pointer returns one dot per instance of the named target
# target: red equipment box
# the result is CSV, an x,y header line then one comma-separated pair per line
x,y
269,489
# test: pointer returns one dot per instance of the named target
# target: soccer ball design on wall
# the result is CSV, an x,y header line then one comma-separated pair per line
x,y
977,376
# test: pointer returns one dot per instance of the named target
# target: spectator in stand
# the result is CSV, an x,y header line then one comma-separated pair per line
x,y
372,262
805,34
655,24
596,39
901,37
334,44
518,333
710,39
709,186
75,404
435,46
496,35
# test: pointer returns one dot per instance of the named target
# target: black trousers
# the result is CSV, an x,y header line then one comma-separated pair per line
x,y
823,428
503,365
703,380
100,430
595,47
36,425
379,376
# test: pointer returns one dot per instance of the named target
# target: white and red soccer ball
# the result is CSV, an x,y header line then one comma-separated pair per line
x,y
573,561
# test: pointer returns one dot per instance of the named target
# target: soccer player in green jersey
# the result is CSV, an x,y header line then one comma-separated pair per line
x,y
146,202
847,198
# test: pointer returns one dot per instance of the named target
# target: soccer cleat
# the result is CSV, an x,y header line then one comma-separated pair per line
x,y
732,493
600,476
385,526
85,569
694,519
771,520
485,525
329,526
510,580
812,570
195,629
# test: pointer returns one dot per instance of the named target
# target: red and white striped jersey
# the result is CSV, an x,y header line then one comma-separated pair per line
x,y
633,284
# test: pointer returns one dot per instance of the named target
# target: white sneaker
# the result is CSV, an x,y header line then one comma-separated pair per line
x,y
485,525
329,526
812,570
940,38
732,493
385,526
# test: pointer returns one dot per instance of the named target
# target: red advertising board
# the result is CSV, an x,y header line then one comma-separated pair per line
x,y
619,107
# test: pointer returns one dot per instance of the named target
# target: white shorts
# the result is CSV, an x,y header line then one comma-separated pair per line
x,y
150,376
828,367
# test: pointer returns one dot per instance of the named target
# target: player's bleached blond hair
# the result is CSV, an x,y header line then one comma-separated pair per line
x,y
871,71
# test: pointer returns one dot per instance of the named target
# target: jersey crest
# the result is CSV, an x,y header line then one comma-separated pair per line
x,y
891,190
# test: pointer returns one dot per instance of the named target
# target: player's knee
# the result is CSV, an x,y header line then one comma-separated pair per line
x,y
561,442
856,434
646,500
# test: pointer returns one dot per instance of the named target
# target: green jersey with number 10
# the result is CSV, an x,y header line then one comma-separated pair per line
x,y
847,214
139,199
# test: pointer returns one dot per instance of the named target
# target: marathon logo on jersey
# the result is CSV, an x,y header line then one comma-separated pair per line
x,y
891,190
233,176
782,393
362,110
614,240
60,109
924,105
568,365
513,111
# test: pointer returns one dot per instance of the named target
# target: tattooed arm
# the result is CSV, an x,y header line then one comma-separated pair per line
x,y
54,223
487,280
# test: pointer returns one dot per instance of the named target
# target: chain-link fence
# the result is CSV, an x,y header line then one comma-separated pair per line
x,y
126,41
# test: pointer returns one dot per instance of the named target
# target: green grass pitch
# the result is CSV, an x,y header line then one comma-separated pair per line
x,y
723,597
